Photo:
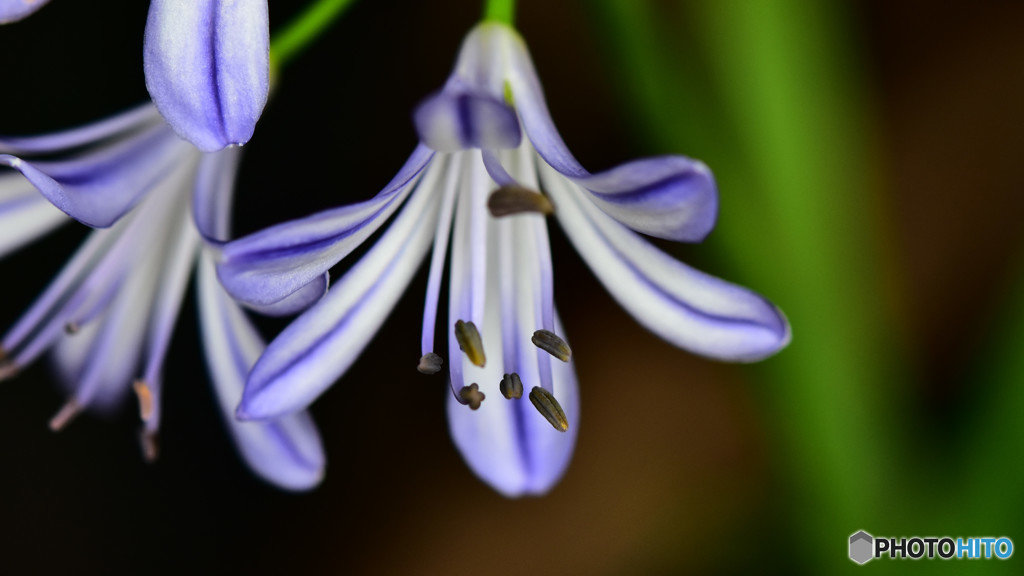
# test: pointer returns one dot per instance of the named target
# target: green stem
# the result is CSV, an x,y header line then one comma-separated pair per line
x,y
500,11
301,31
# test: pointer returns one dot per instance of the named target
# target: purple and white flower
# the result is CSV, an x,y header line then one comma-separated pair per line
x,y
207,65
474,183
109,315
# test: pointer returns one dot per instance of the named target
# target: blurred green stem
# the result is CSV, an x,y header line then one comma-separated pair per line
x,y
790,148
303,30
500,11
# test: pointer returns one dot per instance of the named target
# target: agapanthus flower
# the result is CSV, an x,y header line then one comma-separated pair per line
x,y
207,65
109,315
476,182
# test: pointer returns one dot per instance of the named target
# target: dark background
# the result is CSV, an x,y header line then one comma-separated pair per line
x,y
671,465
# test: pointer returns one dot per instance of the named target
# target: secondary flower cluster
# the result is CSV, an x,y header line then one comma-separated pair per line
x,y
489,170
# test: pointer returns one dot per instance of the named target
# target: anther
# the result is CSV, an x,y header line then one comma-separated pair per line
x,y
8,369
71,328
430,363
470,342
549,408
145,399
7,366
511,386
66,414
512,199
471,396
149,444
552,344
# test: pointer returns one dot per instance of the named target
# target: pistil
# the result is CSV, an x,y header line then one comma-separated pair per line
x,y
430,363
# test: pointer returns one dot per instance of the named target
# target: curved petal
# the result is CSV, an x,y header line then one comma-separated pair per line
x,y
266,267
319,346
297,301
690,309
671,197
118,126
24,214
506,442
102,376
207,65
102,185
14,10
213,194
454,120
286,452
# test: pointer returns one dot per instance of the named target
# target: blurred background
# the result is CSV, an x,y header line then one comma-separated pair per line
x,y
868,160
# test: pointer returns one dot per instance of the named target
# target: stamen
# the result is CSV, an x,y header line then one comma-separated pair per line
x,y
66,414
471,396
470,342
71,328
511,386
552,344
512,199
549,408
150,446
8,369
145,399
430,363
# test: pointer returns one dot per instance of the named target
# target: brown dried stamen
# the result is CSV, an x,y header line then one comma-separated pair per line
x,y
150,446
552,344
66,414
512,199
470,342
471,396
8,369
145,399
511,386
549,408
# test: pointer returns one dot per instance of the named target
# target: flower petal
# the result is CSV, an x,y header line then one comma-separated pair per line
x,y
24,214
266,267
453,120
319,346
207,65
507,443
213,194
14,10
103,184
120,125
690,309
104,374
671,197
286,452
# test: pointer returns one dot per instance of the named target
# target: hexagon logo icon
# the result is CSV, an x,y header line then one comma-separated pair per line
x,y
861,545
